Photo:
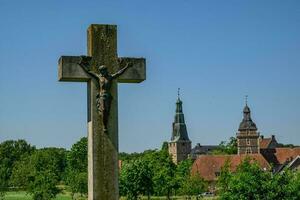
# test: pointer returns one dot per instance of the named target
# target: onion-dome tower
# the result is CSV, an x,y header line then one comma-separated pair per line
x,y
247,137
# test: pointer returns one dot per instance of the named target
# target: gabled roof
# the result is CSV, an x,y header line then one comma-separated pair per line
x,y
294,162
208,166
268,143
264,143
286,154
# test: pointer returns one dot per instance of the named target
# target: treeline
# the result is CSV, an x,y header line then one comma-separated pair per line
x,y
41,172
152,173
44,172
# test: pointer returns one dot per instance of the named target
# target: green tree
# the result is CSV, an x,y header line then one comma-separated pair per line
x,y
165,146
77,161
250,182
3,181
136,179
134,156
287,145
77,158
224,178
296,184
164,173
224,147
78,183
246,183
162,168
48,166
40,172
283,186
193,185
22,170
53,159
11,151
43,185
183,171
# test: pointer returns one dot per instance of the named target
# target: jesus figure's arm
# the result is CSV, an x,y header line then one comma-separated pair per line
x,y
119,73
84,63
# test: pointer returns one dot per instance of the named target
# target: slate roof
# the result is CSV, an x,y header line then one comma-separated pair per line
x,y
247,123
203,149
179,132
208,166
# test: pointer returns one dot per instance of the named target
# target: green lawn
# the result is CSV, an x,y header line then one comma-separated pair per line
x,y
24,196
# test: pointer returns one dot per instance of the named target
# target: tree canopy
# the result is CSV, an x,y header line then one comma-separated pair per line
x,y
224,147
250,182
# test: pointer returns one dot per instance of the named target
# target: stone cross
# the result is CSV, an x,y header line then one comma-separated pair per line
x,y
102,145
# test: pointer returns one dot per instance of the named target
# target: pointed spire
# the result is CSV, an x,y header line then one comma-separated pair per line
x,y
179,102
179,127
246,108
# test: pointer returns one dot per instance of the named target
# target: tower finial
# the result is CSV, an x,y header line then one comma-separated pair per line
x,y
178,93
246,99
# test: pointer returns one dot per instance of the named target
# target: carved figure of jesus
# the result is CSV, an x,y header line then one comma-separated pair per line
x,y
104,79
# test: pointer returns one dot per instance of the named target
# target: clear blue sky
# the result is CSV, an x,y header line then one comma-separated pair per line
x,y
216,51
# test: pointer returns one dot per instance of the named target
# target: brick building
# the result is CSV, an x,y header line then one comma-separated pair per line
x,y
247,137
265,151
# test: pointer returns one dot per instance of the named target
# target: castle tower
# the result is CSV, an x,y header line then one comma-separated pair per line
x,y
247,137
180,144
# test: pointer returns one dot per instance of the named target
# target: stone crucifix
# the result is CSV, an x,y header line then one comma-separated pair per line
x,y
102,70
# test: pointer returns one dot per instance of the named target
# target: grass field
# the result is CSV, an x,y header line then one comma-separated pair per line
x,y
24,196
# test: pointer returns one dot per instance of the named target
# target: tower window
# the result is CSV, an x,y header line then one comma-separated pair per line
x,y
248,151
248,141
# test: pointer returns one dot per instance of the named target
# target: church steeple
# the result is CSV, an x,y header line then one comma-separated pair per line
x,y
179,126
247,123
180,144
247,137
179,102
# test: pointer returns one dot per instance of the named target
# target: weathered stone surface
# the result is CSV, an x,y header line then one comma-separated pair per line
x,y
136,73
102,146
69,70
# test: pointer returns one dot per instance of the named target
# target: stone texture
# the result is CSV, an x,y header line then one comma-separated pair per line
x,y
69,70
247,137
135,74
102,147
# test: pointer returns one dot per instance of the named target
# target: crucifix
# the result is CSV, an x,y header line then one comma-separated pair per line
x,y
102,69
